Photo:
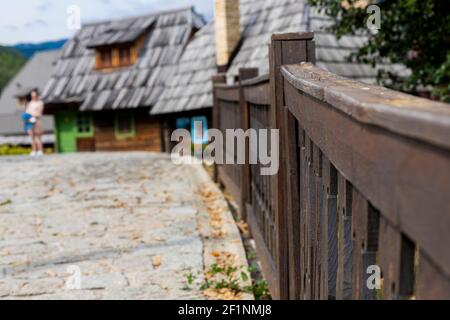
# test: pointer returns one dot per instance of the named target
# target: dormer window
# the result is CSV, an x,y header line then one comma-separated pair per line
x,y
122,51
105,60
115,56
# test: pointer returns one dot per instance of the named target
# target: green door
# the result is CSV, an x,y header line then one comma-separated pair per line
x,y
66,126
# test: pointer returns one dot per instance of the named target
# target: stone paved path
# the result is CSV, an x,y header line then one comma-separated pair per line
x,y
129,223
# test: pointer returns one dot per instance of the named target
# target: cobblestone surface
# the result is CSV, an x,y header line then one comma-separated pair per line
x,y
127,222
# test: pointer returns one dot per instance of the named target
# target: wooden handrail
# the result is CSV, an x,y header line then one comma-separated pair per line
x,y
398,112
391,150
256,81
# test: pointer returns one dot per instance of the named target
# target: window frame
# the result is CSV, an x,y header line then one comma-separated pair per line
x,y
128,49
205,128
118,134
102,63
90,120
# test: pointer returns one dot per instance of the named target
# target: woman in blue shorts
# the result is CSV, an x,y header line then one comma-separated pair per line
x,y
32,122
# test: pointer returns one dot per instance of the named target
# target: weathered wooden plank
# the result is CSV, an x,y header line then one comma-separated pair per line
x,y
370,238
293,218
293,51
309,218
359,209
278,189
245,168
403,114
311,51
85,145
244,74
365,234
303,165
432,284
292,36
227,93
329,231
318,203
344,286
268,265
258,94
232,187
216,113
389,256
283,50
256,80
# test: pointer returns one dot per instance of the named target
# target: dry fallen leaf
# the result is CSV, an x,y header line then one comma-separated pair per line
x,y
216,208
211,293
5,253
167,196
243,227
136,236
218,234
20,263
156,261
222,294
51,273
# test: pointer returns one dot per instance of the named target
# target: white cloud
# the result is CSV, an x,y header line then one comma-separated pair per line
x,y
41,20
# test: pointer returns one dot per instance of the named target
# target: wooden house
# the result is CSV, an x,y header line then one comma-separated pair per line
x,y
238,37
34,74
110,75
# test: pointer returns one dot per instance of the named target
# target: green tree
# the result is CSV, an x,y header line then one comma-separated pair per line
x,y
415,33
10,63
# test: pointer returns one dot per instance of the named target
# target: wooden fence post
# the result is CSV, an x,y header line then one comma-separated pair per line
x,y
219,78
245,74
285,49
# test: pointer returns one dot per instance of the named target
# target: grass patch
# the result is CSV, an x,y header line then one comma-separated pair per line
x,y
227,280
5,202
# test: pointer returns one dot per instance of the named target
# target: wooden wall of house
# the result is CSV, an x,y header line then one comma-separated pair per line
x,y
147,137
150,133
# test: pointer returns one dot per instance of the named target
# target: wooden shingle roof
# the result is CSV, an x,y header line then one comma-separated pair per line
x,y
140,85
191,88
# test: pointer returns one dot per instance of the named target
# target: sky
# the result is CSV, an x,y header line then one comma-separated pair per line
x,y
43,20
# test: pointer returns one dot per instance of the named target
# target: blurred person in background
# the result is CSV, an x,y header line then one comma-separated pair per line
x,y
33,122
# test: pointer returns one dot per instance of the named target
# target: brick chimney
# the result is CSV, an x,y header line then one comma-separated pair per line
x,y
228,30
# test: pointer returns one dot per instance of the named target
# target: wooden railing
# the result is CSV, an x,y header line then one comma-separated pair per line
x,y
364,181
247,106
230,118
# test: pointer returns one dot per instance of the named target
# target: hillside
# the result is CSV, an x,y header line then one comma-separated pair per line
x,y
11,61
28,49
